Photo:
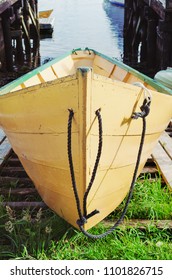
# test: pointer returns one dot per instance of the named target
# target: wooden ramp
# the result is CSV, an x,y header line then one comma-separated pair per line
x,y
141,224
162,155
12,170
5,147
14,181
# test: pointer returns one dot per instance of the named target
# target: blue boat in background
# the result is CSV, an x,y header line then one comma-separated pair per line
x,y
118,3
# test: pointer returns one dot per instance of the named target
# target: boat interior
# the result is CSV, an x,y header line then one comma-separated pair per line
x,y
79,58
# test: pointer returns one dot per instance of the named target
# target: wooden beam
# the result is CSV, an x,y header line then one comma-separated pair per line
x,y
7,181
5,149
2,136
7,40
141,224
151,43
24,204
17,191
6,4
169,4
166,143
31,13
158,6
25,30
162,155
16,33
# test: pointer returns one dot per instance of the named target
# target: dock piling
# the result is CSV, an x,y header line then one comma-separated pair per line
x,y
148,35
18,45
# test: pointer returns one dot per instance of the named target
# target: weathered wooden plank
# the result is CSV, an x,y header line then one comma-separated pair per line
x,y
164,163
158,6
16,33
32,16
24,204
5,148
5,4
141,224
147,169
17,191
7,181
6,25
166,143
2,136
18,172
168,4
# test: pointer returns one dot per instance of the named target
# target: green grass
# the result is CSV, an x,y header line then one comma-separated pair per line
x,y
150,201
43,235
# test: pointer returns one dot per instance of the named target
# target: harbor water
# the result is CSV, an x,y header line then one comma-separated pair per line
x,y
95,24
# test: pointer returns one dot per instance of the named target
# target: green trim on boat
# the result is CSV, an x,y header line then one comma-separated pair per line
x,y
7,88
158,86
136,73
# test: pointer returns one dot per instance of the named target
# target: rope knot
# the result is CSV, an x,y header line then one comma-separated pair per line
x,y
71,112
145,109
97,112
82,221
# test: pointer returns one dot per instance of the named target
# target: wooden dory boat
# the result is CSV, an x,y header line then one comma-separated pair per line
x,y
34,115
46,22
45,14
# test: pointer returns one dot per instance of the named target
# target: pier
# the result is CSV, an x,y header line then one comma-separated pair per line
x,y
148,35
19,47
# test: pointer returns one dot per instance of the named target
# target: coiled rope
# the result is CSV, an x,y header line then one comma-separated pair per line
x,y
145,109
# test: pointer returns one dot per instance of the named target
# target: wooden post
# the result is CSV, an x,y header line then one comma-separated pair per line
x,y
164,43
7,40
148,34
168,4
151,43
33,10
2,47
19,45
26,28
128,30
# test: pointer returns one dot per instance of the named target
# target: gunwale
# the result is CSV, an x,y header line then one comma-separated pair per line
x,y
157,86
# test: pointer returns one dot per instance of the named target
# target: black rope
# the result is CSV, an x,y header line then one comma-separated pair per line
x,y
69,146
95,165
83,218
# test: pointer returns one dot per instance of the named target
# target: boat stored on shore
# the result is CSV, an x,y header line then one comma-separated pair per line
x,y
79,112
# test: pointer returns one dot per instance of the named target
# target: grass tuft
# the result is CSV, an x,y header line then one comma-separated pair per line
x,y
42,235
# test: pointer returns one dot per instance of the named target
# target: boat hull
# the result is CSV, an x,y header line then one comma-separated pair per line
x,y
35,120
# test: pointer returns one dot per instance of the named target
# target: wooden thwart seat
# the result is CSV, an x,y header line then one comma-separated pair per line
x,y
162,155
